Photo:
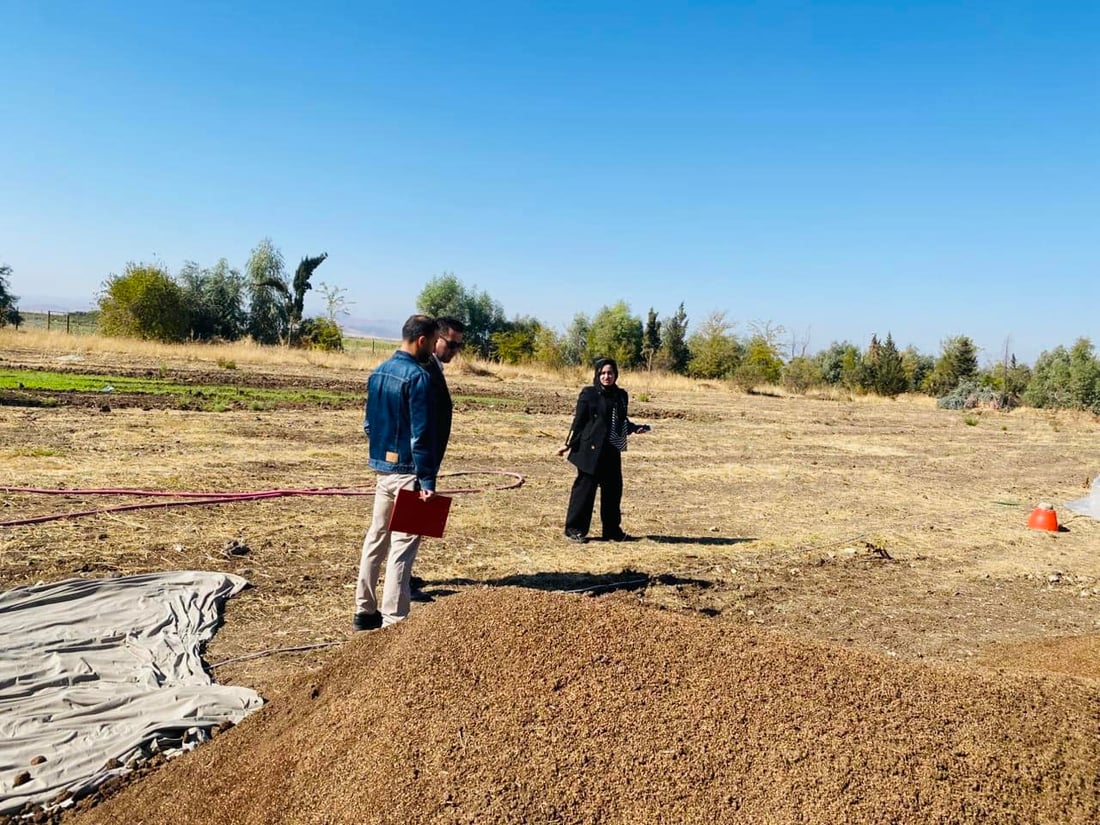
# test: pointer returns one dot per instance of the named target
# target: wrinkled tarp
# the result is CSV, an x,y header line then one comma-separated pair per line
x,y
97,674
1090,504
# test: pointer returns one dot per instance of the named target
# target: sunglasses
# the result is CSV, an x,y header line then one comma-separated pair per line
x,y
454,344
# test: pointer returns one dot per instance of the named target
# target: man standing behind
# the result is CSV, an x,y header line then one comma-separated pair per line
x,y
402,426
447,346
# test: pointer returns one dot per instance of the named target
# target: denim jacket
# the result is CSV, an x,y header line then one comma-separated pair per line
x,y
400,421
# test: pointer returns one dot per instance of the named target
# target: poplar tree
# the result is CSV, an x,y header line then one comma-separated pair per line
x,y
675,353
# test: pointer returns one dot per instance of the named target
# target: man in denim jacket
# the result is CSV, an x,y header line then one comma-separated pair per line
x,y
401,424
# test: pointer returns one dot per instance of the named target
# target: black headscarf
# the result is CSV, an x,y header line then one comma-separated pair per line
x,y
600,364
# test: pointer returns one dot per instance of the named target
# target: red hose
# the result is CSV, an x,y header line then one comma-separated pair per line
x,y
200,498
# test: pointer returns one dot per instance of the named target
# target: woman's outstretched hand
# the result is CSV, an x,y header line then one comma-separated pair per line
x,y
563,450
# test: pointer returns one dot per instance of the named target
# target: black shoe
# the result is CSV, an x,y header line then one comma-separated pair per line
x,y
366,621
620,536
576,536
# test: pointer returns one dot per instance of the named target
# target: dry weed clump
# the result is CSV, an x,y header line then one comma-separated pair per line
x,y
504,706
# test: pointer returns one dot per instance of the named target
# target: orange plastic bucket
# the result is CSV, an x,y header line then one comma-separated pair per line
x,y
1043,517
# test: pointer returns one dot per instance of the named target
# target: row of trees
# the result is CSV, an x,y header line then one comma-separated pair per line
x,y
1061,378
220,303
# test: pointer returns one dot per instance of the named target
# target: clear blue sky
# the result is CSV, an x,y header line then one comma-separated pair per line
x,y
837,168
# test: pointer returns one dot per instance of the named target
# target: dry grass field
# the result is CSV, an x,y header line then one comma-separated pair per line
x,y
890,526
884,531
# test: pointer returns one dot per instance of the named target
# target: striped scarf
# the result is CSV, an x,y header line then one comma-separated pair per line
x,y
617,433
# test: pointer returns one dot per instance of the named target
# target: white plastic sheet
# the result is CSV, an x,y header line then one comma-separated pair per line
x,y
96,675
1090,504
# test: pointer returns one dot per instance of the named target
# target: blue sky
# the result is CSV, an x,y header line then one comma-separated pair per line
x,y
835,168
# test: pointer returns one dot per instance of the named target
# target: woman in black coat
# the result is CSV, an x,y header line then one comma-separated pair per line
x,y
595,443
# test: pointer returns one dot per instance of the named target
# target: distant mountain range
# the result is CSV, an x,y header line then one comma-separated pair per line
x,y
51,303
366,328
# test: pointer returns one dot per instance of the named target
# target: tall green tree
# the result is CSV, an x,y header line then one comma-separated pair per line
x,y
574,344
9,312
674,352
515,344
443,295
916,366
1066,378
840,364
143,302
297,297
1008,378
715,350
760,363
548,349
883,371
615,333
268,317
446,295
958,361
215,301
651,339
801,373
1084,375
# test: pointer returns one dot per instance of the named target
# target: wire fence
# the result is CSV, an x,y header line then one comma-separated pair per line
x,y
74,323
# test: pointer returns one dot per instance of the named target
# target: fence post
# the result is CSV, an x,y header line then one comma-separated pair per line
x,y
67,317
49,318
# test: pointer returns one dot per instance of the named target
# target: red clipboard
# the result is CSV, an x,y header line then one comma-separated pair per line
x,y
410,514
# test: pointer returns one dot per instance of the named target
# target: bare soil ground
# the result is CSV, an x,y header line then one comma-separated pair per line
x,y
873,531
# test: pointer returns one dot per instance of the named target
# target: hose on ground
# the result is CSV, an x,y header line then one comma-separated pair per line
x,y
198,498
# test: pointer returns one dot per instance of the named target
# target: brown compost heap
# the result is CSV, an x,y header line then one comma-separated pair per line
x,y
509,705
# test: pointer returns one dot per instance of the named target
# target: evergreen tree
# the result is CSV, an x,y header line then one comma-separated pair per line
x,y
651,339
674,351
958,361
883,371
297,298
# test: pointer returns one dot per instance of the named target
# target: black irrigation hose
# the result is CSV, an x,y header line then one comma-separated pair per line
x,y
203,498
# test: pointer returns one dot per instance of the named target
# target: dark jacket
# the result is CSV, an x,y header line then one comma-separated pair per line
x,y
444,409
588,435
400,420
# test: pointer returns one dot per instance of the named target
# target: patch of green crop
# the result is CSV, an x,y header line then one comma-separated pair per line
x,y
204,397
32,452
